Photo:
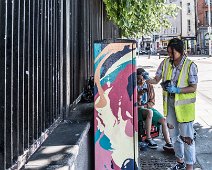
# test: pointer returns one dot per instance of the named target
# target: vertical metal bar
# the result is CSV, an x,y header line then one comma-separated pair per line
x,y
3,61
11,85
28,73
58,55
41,68
18,88
23,73
72,50
75,61
5,85
61,57
56,78
54,62
91,38
37,68
88,38
44,65
33,71
52,57
51,65
82,38
67,37
48,66
82,45
102,20
14,105
20,98
64,58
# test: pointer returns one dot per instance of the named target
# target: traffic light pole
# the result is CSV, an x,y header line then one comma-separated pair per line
x,y
209,27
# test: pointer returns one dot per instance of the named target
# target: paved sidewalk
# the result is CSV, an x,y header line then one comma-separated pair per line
x,y
203,122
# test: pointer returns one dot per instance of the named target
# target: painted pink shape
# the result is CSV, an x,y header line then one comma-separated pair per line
x,y
103,158
129,128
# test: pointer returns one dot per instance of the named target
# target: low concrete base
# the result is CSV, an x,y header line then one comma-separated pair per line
x,y
70,146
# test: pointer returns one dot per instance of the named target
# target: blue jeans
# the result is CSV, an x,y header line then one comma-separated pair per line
x,y
183,151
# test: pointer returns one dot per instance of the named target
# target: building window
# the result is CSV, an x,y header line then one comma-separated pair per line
x,y
206,17
188,8
189,25
165,44
174,30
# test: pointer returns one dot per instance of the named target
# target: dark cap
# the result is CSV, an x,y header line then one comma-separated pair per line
x,y
140,71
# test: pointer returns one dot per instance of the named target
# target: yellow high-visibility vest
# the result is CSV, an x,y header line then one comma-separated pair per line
x,y
184,103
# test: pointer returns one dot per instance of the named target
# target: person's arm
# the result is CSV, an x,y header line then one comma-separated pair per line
x,y
151,97
158,75
154,80
190,89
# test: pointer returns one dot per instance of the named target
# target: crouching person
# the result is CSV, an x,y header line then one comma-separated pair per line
x,y
146,112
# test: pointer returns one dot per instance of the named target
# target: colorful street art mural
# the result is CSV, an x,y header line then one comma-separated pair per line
x,y
115,113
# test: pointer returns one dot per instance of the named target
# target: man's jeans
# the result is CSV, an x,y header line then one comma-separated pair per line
x,y
182,149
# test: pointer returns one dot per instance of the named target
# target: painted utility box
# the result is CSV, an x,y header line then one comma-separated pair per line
x,y
115,110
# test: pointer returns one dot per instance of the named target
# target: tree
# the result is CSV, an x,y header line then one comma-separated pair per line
x,y
140,17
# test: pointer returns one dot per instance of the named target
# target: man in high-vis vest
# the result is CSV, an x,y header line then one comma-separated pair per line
x,y
179,82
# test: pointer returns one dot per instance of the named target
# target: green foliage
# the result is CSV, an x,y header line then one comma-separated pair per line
x,y
140,17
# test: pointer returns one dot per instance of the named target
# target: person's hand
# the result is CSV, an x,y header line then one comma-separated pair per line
x,y
141,92
173,89
146,75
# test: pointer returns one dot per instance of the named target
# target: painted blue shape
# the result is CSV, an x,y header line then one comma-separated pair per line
x,y
105,143
97,49
112,76
97,135
113,58
131,85
129,164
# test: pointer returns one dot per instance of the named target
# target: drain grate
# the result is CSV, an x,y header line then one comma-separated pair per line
x,y
156,164
159,161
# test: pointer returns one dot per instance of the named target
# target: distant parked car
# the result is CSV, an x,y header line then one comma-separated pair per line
x,y
141,52
162,51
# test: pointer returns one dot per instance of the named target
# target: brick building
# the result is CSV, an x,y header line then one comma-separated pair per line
x,y
202,27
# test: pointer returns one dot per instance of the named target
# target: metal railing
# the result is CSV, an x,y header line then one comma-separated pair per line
x,y
30,83
46,55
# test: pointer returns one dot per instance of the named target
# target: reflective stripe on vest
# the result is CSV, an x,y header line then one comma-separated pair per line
x,y
184,103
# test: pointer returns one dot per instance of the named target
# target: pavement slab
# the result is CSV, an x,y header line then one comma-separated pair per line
x,y
205,163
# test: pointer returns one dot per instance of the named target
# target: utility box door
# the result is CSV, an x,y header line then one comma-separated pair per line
x,y
115,110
